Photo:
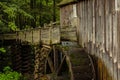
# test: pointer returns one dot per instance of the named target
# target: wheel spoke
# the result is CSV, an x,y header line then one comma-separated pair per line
x,y
50,64
55,63
55,55
45,71
60,66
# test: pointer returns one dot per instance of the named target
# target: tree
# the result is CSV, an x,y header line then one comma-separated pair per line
x,y
21,14
11,15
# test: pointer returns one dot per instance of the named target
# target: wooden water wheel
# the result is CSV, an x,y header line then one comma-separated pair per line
x,y
59,63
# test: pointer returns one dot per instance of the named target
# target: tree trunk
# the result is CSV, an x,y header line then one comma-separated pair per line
x,y
54,11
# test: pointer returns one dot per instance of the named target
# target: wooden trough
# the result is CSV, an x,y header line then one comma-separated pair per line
x,y
45,35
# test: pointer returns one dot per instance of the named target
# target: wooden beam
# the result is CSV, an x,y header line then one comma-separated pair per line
x,y
11,36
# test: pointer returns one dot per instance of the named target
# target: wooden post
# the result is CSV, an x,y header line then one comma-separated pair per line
x,y
37,63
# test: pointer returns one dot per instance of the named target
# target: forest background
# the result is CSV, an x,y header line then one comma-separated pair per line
x,y
20,15
24,14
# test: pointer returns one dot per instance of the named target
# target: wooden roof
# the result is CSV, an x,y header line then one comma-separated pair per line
x,y
66,2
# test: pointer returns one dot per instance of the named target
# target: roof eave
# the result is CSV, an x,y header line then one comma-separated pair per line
x,y
63,3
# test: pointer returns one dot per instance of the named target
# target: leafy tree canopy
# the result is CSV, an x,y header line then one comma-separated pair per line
x,y
17,14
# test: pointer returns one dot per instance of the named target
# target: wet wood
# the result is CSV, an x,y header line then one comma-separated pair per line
x,y
103,73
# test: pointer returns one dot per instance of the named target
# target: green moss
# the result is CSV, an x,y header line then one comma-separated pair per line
x,y
79,61
65,2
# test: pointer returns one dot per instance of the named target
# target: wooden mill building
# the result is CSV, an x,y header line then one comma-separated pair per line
x,y
93,24
98,30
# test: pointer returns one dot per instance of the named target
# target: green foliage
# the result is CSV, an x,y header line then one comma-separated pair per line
x,y
1,23
12,26
25,14
12,16
7,69
11,12
9,74
2,50
17,14
3,28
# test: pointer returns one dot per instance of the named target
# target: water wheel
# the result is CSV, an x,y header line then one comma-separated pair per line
x,y
66,64
56,65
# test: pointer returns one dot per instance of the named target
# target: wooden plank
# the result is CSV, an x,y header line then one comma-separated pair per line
x,y
36,36
97,23
45,36
21,35
29,36
102,26
118,53
48,35
50,64
115,71
68,33
86,23
110,36
11,36
90,20
67,11
115,36
117,5
55,35
119,74
93,30
78,23
114,39
61,64
106,24
83,25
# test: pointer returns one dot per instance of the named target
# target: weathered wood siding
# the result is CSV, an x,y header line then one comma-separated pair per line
x,y
68,33
65,15
98,29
